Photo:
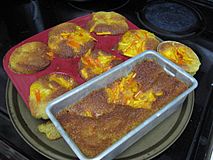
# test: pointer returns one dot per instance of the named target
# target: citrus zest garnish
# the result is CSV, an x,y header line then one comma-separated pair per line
x,y
37,95
133,42
74,44
135,96
96,65
68,84
87,114
103,33
84,73
77,38
178,55
65,35
51,55
127,92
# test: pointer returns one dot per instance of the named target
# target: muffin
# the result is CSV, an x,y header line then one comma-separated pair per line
x,y
45,89
30,58
96,62
180,54
69,40
134,42
107,23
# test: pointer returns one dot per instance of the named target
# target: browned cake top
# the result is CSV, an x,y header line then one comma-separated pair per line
x,y
30,58
45,89
106,115
180,54
69,40
107,23
134,42
96,62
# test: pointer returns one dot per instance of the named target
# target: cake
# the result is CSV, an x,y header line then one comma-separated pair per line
x,y
134,42
49,130
107,23
68,40
30,58
96,62
45,89
180,54
105,115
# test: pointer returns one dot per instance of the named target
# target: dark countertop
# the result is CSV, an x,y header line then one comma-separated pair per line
x,y
21,21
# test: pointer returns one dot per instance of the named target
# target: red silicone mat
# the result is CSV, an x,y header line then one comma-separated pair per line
x,y
69,66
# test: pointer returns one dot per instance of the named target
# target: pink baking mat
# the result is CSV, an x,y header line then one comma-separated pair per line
x,y
69,66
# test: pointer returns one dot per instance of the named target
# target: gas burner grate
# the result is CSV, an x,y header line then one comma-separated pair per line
x,y
99,5
171,19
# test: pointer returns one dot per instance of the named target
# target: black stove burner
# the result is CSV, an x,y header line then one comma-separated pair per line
x,y
98,5
171,19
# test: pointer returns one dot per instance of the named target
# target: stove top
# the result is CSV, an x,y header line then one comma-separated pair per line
x,y
189,22
169,19
87,6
